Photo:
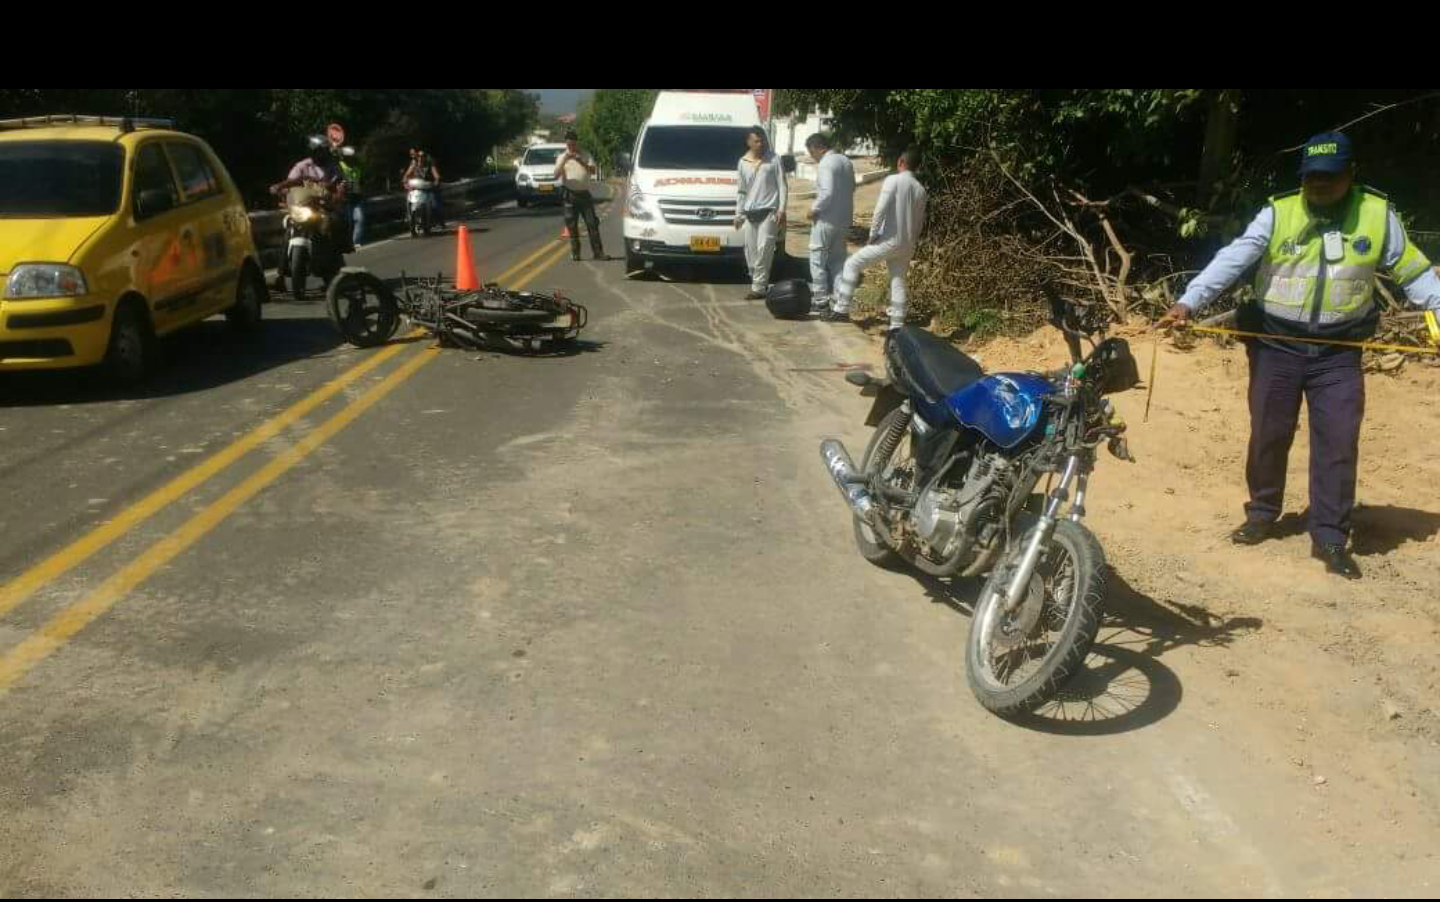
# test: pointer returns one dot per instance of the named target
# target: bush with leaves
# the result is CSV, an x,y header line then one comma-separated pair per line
x,y
1123,191
260,132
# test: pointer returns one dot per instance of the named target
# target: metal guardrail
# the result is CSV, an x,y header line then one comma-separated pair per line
x,y
268,226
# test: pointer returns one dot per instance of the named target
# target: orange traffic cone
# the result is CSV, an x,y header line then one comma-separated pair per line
x,y
465,278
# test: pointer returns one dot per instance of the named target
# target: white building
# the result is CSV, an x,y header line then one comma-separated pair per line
x,y
788,134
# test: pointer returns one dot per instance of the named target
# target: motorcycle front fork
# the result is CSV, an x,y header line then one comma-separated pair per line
x,y
1020,579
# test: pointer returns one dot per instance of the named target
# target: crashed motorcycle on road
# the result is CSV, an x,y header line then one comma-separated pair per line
x,y
950,485
367,312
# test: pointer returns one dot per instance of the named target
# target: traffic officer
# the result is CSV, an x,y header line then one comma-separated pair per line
x,y
1318,249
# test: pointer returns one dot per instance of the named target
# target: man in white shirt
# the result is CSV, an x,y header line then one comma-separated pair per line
x,y
831,218
574,170
895,230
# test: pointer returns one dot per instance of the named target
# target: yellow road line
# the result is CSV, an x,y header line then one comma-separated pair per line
x,y
75,618
549,262
21,588
526,262
69,622
15,592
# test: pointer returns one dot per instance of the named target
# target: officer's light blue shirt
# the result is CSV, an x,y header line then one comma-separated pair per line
x,y
1231,263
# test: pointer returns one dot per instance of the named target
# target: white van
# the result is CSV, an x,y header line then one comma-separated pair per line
x,y
535,174
682,201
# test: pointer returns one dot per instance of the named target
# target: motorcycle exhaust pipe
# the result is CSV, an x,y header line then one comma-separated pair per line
x,y
848,480
854,487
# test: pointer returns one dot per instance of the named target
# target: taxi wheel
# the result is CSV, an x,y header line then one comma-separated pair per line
x,y
244,317
131,354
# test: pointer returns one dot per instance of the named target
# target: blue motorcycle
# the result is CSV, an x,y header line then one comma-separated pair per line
x,y
950,484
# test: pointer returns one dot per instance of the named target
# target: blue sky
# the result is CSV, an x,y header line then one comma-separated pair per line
x,y
558,100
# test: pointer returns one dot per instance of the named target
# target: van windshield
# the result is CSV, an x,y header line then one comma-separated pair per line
x,y
692,147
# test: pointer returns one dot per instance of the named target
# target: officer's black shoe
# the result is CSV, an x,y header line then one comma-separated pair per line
x,y
1337,560
1253,532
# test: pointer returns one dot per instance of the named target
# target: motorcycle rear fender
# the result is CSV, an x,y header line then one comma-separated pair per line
x,y
887,398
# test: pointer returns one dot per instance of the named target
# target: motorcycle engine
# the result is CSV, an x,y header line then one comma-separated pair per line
x,y
943,512
427,306
937,517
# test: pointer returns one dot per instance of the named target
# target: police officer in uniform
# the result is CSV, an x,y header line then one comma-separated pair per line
x,y
1318,249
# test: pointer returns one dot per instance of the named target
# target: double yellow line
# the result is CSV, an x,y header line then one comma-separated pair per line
x,y
15,663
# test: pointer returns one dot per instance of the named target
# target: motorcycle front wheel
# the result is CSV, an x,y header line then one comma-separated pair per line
x,y
363,309
1018,661
299,271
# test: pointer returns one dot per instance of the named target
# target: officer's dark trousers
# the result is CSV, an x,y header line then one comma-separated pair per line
x,y
581,205
1333,386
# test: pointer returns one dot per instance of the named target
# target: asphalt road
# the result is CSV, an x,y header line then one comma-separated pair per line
x,y
299,619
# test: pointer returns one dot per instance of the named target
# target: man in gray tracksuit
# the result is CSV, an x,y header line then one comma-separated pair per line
x,y
761,197
894,231
831,218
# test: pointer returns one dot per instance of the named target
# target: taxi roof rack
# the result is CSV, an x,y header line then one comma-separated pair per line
x,y
125,124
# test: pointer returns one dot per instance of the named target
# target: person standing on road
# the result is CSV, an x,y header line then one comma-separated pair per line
x,y
352,213
575,171
831,218
353,175
894,231
1318,248
761,194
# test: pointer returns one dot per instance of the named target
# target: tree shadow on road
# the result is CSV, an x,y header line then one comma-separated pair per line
x,y
200,358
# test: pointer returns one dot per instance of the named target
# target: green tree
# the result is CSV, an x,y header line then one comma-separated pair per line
x,y
260,132
610,120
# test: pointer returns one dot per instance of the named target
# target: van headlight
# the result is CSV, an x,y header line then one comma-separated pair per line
x,y
636,209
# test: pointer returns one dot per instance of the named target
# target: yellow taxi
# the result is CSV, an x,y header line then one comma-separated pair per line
x,y
113,233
